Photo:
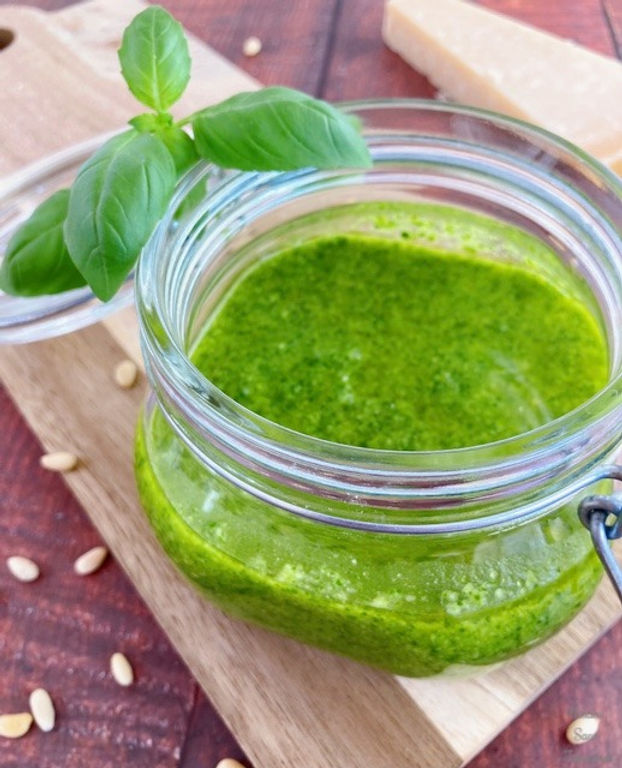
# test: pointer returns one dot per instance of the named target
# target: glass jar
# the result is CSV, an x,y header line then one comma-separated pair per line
x,y
408,561
24,320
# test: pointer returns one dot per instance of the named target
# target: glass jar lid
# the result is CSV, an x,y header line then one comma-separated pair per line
x,y
33,319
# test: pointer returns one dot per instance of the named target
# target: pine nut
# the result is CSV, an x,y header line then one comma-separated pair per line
x,y
42,709
121,669
15,726
251,47
582,729
90,561
125,374
59,461
23,568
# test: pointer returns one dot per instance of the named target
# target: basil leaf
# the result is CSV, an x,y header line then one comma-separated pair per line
x,y
36,260
116,201
181,147
278,129
155,60
150,122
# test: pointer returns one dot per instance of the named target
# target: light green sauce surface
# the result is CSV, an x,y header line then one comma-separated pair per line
x,y
382,344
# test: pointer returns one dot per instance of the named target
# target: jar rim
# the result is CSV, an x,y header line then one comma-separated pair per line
x,y
537,453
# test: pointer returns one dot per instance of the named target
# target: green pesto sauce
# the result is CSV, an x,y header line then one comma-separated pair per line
x,y
382,344
386,343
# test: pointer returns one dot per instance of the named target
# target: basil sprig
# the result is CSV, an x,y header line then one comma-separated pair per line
x,y
94,233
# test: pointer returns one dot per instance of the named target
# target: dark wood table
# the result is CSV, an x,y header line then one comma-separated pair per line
x,y
59,635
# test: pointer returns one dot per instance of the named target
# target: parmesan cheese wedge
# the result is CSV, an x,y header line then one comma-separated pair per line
x,y
479,57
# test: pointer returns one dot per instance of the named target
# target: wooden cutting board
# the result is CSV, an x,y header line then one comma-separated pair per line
x,y
288,705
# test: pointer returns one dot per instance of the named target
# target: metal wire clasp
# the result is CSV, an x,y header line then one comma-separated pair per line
x,y
602,516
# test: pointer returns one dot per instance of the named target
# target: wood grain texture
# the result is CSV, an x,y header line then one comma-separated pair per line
x,y
295,36
361,66
612,10
80,49
530,741
536,738
580,20
60,631
208,740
